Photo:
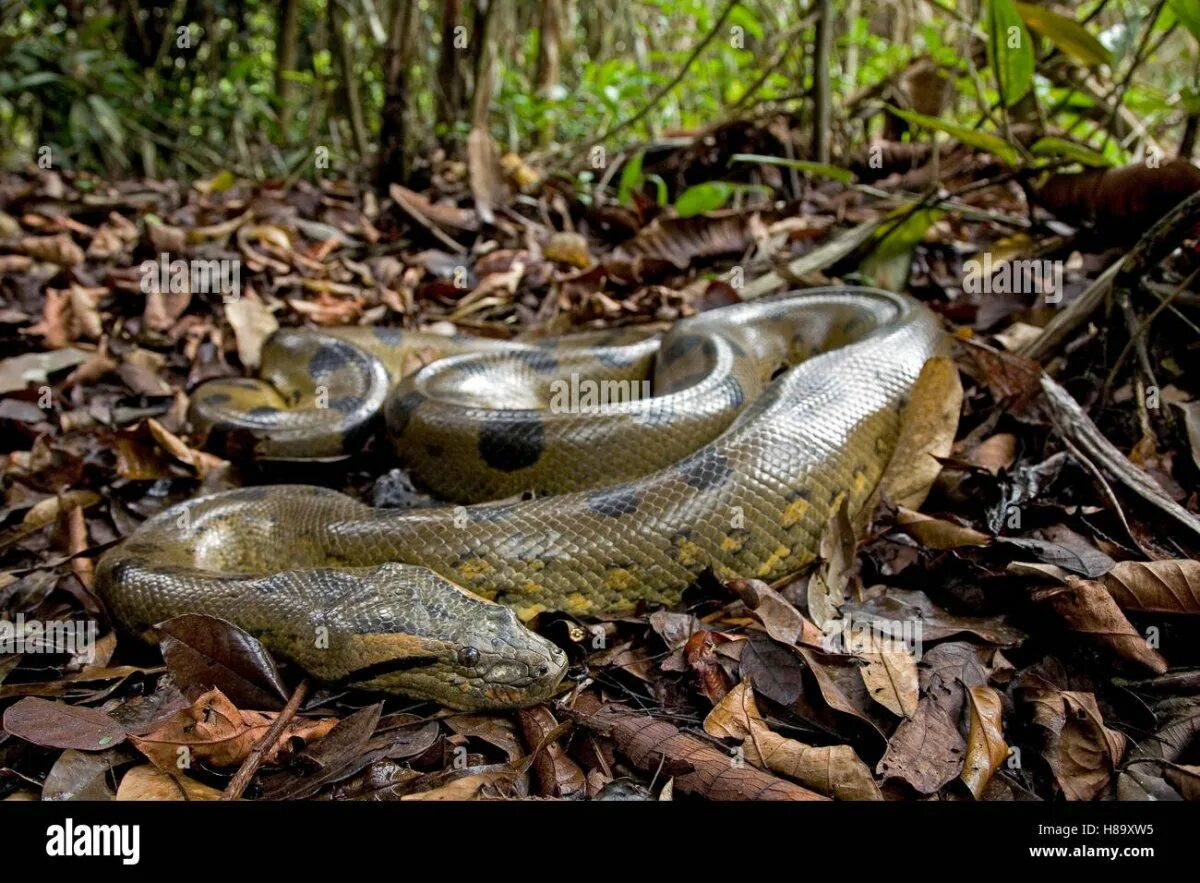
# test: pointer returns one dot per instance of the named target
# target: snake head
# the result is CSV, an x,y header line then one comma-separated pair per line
x,y
421,635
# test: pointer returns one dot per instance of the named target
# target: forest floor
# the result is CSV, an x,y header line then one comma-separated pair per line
x,y
1040,578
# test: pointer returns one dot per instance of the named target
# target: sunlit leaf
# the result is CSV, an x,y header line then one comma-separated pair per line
x,y
1067,34
1188,13
993,144
705,197
823,170
631,178
1010,51
1059,147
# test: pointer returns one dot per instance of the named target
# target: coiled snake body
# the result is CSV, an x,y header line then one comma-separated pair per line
x,y
733,464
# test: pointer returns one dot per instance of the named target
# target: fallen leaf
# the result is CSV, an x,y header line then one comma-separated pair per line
x,y
833,770
1081,751
928,425
204,652
986,748
58,725
252,324
1087,608
1171,586
147,782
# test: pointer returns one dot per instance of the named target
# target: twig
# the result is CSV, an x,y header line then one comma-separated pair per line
x,y
1076,426
254,759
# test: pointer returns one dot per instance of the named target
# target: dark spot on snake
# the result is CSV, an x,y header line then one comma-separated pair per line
x,y
326,360
737,396
613,502
400,410
510,444
215,398
678,347
434,451
614,358
346,404
389,335
541,362
654,415
707,468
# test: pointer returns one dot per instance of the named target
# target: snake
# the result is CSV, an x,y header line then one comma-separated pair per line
x,y
735,436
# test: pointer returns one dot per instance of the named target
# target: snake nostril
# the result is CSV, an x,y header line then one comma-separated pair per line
x,y
542,670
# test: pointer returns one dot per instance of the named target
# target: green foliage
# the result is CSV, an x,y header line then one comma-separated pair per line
x,y
1010,51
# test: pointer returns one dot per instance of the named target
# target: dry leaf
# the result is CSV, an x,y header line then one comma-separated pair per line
x,y
1081,751
1087,608
147,782
927,428
1158,586
252,324
936,533
986,748
833,770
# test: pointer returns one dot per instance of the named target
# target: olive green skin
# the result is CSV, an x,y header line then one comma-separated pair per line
x,y
402,595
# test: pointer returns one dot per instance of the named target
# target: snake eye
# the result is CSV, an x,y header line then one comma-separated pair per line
x,y
468,656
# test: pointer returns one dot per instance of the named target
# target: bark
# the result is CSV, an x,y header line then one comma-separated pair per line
x,y
822,90
393,129
451,87
285,61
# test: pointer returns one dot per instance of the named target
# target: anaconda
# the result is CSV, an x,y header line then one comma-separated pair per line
x,y
765,417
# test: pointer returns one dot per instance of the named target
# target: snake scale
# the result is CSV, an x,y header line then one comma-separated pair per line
x,y
765,416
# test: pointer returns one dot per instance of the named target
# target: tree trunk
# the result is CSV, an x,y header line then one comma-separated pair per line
x,y
343,50
822,91
549,38
285,61
451,86
393,129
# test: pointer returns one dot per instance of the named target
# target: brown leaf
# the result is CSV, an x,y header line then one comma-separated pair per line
x,y
1087,608
986,748
891,610
568,248
147,782
57,249
204,652
1081,751
58,725
214,730
937,533
697,767
557,774
79,775
252,324
890,676
928,425
828,585
833,770
487,178
678,242
1157,586
782,621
